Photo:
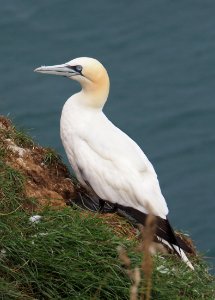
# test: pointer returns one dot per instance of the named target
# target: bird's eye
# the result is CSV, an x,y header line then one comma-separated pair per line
x,y
78,68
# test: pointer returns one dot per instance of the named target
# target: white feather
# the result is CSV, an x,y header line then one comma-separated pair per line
x,y
110,161
179,251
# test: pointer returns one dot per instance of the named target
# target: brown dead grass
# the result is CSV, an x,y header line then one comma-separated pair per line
x,y
147,263
142,275
120,226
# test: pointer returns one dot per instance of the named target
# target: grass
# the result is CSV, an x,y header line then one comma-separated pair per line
x,y
61,257
51,157
68,255
11,187
22,138
2,152
71,255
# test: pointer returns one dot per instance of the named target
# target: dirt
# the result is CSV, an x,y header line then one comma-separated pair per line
x,y
49,182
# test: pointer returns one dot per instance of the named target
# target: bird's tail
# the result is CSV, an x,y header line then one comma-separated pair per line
x,y
178,251
164,233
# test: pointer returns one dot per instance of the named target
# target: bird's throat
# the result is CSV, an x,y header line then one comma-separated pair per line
x,y
95,95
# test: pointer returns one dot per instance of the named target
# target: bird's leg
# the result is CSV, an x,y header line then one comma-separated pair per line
x,y
107,207
101,205
114,208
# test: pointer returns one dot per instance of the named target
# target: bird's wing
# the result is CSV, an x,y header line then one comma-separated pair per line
x,y
118,171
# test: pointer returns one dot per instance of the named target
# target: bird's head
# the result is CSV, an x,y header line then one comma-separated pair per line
x,y
89,72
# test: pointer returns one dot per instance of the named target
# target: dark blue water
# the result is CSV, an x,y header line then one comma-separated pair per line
x,y
160,56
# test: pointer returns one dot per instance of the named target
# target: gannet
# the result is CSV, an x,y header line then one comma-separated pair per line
x,y
105,160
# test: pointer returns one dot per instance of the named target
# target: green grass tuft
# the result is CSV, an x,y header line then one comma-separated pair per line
x,y
2,152
21,138
11,188
51,157
12,191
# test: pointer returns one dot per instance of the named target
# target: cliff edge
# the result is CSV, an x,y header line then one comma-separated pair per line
x,y
49,250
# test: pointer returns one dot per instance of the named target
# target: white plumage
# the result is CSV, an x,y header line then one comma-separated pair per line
x,y
111,162
103,157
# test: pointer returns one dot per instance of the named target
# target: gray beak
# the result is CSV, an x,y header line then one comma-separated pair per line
x,y
63,70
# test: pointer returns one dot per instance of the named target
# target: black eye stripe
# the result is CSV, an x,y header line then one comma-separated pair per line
x,y
77,68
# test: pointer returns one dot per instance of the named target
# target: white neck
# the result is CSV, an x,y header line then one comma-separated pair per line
x,y
94,94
